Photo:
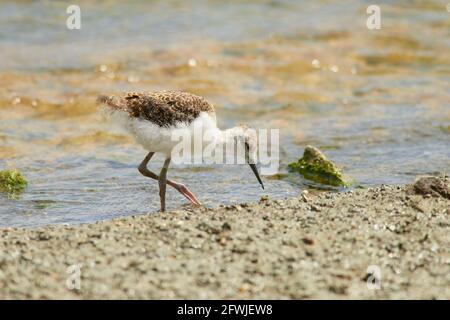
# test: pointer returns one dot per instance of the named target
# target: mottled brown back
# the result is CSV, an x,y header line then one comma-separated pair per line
x,y
163,108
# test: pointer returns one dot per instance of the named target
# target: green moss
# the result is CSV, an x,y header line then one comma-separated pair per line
x,y
277,176
12,181
43,204
316,167
445,129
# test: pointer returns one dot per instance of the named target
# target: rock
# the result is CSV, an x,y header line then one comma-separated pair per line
x,y
12,181
431,186
208,228
304,195
316,167
226,226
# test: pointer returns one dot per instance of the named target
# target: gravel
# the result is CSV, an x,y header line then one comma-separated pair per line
x,y
317,246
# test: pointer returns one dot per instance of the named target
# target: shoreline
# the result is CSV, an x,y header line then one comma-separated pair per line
x,y
315,246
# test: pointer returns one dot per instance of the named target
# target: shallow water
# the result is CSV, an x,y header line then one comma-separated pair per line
x,y
377,102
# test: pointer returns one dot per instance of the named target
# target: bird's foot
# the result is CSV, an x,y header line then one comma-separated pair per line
x,y
181,188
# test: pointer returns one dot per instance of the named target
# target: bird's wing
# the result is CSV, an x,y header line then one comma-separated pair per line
x,y
166,108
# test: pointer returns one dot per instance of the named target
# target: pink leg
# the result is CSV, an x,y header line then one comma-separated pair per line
x,y
181,188
177,186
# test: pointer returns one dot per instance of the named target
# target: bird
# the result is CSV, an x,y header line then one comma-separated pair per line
x,y
151,118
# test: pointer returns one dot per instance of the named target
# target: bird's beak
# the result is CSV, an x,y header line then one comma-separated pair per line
x,y
255,171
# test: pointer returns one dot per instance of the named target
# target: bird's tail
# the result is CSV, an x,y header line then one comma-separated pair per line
x,y
103,99
109,104
114,108
108,101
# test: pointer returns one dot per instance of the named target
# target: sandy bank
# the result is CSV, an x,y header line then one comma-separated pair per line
x,y
313,246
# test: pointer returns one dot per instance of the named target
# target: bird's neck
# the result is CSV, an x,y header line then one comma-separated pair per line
x,y
226,136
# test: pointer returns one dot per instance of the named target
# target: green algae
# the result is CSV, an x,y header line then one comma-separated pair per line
x,y
316,167
445,129
277,176
12,181
43,204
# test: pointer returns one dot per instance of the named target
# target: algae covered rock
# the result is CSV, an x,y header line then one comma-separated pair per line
x,y
12,181
316,167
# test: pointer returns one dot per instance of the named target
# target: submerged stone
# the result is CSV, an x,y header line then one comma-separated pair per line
x,y
12,181
316,167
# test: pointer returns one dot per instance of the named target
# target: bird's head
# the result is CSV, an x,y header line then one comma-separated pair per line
x,y
247,137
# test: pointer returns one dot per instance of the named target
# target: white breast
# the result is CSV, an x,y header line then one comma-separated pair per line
x,y
161,139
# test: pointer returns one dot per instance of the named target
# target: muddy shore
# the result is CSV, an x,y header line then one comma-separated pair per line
x,y
314,246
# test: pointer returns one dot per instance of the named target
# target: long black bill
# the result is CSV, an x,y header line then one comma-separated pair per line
x,y
255,171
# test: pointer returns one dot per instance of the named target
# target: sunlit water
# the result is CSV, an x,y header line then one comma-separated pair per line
x,y
377,102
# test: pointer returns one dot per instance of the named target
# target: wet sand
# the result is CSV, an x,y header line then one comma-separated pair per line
x,y
314,246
